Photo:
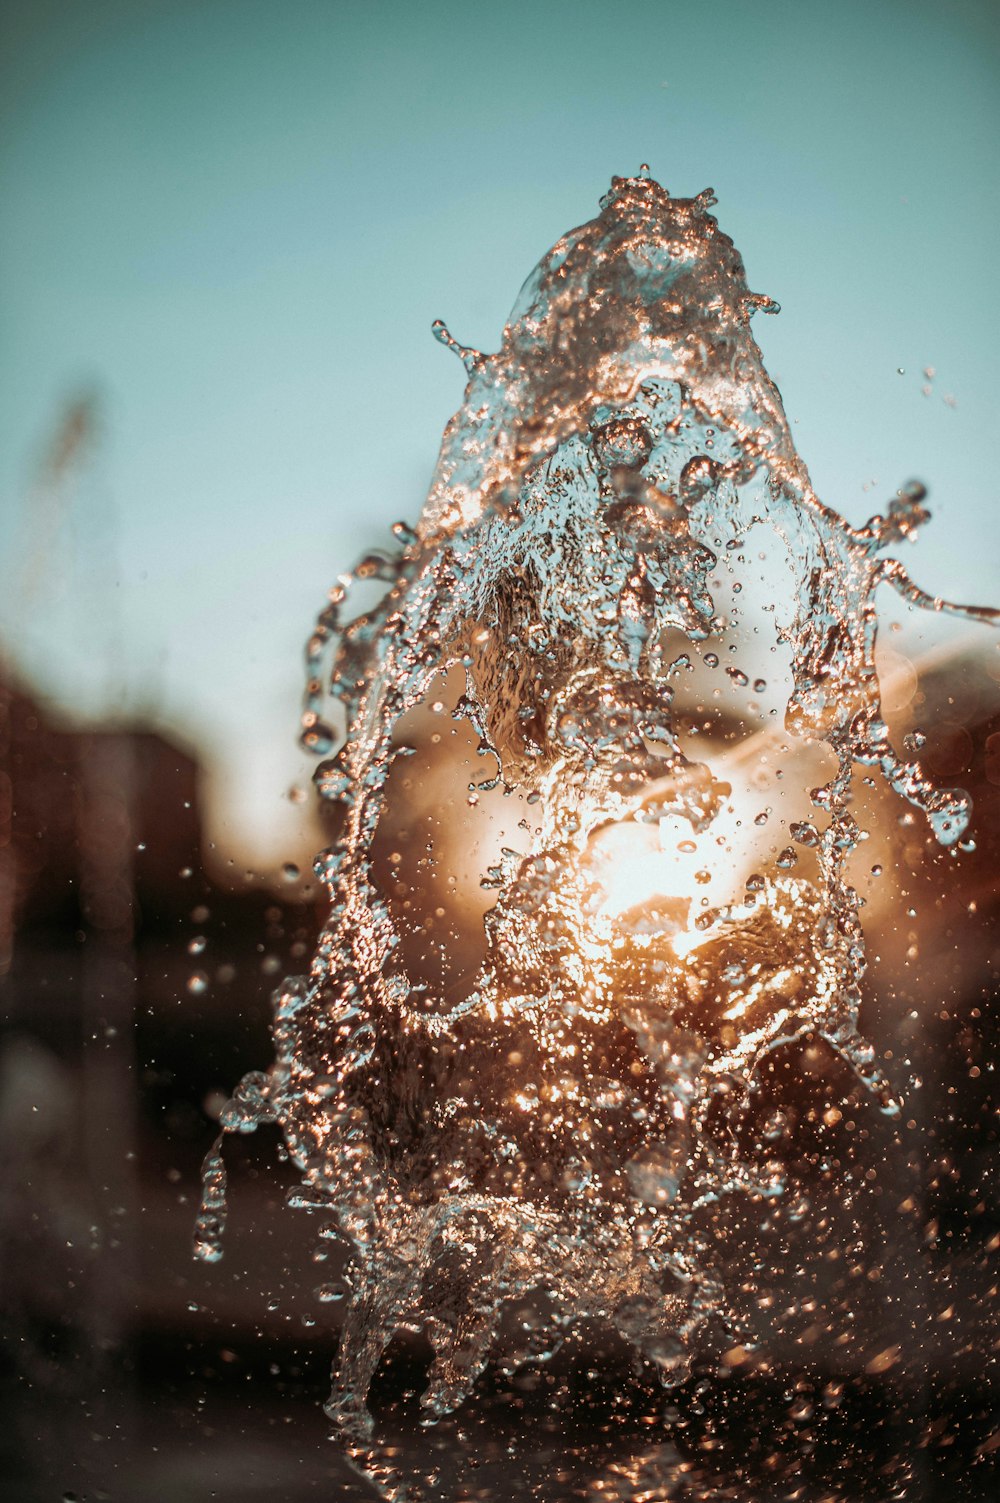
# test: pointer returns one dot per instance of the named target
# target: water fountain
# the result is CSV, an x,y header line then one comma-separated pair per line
x,y
669,728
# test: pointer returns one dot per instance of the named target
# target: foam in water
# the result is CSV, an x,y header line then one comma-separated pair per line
x,y
559,1133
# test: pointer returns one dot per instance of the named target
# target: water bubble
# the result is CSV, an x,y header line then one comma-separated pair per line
x,y
623,441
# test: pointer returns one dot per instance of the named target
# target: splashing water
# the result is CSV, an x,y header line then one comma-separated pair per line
x,y
559,1132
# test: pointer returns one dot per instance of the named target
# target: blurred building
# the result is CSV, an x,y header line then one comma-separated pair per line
x,y
98,826
134,990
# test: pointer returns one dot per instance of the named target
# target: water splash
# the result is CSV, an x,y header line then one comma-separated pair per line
x,y
560,1134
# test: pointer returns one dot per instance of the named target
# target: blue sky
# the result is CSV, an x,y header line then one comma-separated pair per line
x,y
236,221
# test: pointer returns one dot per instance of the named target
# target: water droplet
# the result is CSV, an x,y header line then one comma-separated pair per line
x,y
317,737
332,1293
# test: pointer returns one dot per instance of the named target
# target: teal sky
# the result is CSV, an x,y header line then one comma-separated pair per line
x,y
235,221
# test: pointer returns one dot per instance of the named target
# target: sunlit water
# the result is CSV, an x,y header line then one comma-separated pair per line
x,y
558,1140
